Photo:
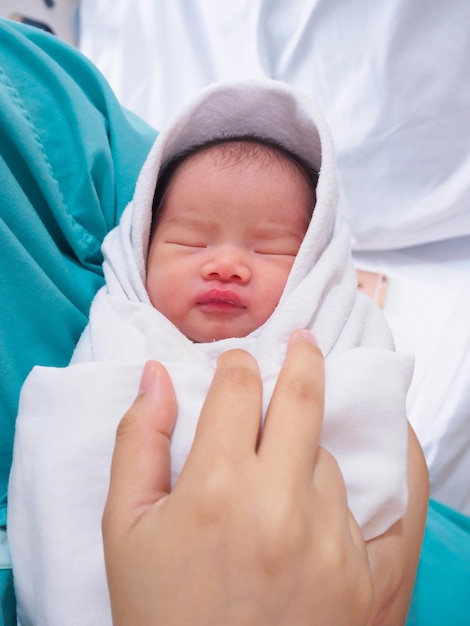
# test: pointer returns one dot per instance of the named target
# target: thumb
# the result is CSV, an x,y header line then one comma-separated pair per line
x,y
140,469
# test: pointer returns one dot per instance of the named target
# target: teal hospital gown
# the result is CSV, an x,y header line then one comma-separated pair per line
x,y
69,159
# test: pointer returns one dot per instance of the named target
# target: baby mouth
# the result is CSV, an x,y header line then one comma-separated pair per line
x,y
220,298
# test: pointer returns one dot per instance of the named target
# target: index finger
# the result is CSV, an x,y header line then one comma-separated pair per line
x,y
230,418
294,417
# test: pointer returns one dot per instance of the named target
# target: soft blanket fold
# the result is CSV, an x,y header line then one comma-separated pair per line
x,y
68,417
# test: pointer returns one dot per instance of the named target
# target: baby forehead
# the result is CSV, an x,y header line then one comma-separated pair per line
x,y
246,154
245,151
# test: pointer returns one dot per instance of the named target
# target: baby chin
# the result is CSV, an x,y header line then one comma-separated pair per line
x,y
219,321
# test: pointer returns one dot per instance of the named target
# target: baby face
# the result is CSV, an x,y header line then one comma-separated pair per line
x,y
224,245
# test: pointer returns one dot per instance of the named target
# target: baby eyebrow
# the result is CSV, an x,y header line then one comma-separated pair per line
x,y
276,232
188,220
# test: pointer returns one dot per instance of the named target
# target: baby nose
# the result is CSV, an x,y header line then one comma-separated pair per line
x,y
227,264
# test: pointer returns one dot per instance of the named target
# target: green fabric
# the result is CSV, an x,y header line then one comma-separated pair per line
x,y
7,595
442,590
69,160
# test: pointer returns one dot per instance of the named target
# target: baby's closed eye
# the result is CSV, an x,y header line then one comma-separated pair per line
x,y
276,242
187,242
276,249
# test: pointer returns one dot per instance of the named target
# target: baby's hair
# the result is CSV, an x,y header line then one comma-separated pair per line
x,y
233,150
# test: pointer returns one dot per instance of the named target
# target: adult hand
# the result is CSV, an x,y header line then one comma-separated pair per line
x,y
257,528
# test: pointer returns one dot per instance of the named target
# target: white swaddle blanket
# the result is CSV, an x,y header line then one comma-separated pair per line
x,y
68,417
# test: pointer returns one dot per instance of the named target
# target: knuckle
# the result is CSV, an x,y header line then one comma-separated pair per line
x,y
285,537
304,389
340,554
215,496
239,376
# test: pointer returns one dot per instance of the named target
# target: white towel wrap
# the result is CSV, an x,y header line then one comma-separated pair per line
x,y
68,417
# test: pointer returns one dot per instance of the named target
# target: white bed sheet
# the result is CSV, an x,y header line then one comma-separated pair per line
x,y
391,79
428,307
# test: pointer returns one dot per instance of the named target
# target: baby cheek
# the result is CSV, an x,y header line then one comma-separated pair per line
x,y
273,285
157,287
167,294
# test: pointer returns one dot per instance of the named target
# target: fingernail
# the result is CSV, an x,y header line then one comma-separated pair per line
x,y
148,377
306,334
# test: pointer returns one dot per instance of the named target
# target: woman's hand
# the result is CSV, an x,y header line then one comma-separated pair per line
x,y
247,536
